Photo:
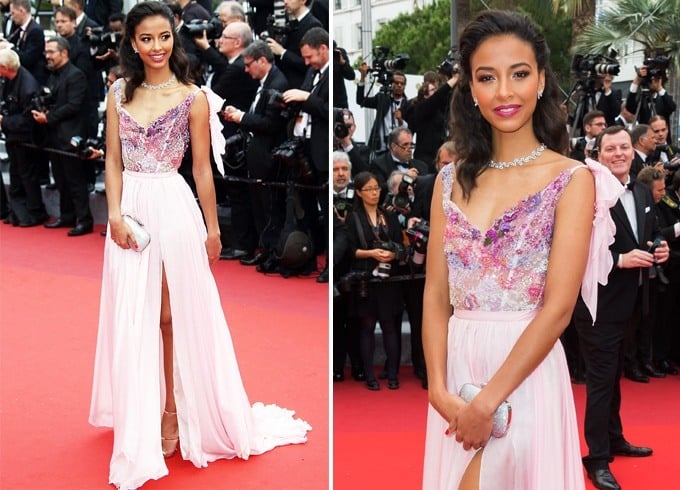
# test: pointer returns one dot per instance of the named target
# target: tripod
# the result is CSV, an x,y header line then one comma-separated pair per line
x,y
646,99
583,92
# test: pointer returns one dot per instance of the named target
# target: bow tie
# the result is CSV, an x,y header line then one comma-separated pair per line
x,y
629,186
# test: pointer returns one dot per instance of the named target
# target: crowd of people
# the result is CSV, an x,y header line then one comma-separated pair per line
x,y
271,72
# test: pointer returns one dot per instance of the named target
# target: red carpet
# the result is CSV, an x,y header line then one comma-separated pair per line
x,y
49,301
379,437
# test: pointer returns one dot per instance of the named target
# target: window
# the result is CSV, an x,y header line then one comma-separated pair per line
x,y
338,4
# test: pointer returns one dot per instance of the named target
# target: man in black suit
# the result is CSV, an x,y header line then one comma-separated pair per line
x,y
237,88
312,125
607,99
28,39
101,10
288,56
664,152
602,344
398,157
268,127
83,22
358,153
644,102
63,120
644,145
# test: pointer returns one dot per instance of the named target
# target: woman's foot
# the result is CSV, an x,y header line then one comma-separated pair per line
x,y
169,434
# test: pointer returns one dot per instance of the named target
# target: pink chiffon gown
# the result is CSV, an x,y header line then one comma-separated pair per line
x,y
216,419
496,285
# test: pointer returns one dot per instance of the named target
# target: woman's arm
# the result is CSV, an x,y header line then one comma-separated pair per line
x,y
436,313
202,172
113,176
568,257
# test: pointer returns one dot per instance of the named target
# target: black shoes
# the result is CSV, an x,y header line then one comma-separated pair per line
x,y
259,258
358,374
603,479
634,374
650,370
234,254
393,384
323,277
667,367
627,449
269,265
60,223
80,229
372,384
338,376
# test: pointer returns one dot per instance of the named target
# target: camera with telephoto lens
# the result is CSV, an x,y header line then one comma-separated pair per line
x,y
418,235
213,28
401,201
343,204
102,42
84,148
449,66
278,25
383,67
341,123
43,100
275,102
292,154
235,149
355,281
590,67
656,68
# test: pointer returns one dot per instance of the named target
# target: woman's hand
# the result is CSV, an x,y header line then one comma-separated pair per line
x,y
474,426
121,234
448,406
382,255
213,246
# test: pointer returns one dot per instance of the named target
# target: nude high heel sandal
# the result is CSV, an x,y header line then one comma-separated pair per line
x,y
169,445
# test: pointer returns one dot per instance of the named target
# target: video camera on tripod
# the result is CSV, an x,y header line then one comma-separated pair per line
x,y
656,68
383,66
278,24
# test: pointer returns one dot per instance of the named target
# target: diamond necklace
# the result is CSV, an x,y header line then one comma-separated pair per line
x,y
518,162
167,83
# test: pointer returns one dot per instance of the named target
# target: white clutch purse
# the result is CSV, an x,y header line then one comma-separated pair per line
x,y
142,236
501,417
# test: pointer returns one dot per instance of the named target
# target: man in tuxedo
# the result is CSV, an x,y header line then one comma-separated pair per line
x,y
664,152
644,145
312,126
594,123
83,22
267,124
607,100
644,102
28,39
390,108
288,55
398,157
63,120
237,88
602,344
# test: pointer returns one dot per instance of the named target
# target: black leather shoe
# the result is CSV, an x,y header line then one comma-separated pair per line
x,y
635,375
268,265
650,370
358,374
60,223
323,277
34,221
259,258
338,376
667,367
627,449
102,233
603,479
372,385
393,384
80,229
234,254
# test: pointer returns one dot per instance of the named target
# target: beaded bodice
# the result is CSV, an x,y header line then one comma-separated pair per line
x,y
503,268
158,147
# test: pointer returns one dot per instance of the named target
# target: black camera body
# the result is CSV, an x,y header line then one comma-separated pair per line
x,y
588,68
401,201
278,24
418,235
292,154
343,204
103,41
275,102
383,67
656,68
235,149
43,100
340,124
213,28
356,281
84,148
449,66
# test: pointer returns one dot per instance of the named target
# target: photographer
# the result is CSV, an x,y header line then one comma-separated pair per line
x,y
665,153
594,123
229,12
343,131
390,106
193,14
647,96
398,157
62,120
345,332
342,70
267,123
83,22
287,50
17,89
104,43
644,145
376,244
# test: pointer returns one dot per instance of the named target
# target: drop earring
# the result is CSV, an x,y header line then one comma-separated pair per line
x,y
540,94
474,99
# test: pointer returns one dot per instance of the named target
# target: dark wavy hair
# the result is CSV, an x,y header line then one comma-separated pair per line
x,y
360,180
132,65
470,131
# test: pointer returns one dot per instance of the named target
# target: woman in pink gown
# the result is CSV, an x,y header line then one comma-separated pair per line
x,y
510,233
177,388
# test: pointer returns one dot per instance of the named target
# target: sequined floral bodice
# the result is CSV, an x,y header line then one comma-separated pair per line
x,y
158,147
504,268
